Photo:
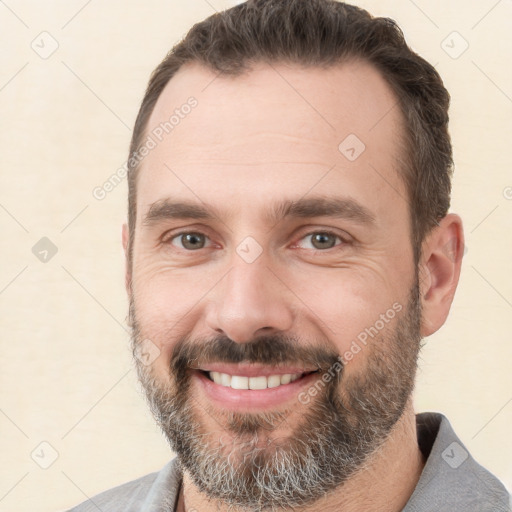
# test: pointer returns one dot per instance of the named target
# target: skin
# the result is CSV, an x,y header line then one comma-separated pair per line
x,y
254,140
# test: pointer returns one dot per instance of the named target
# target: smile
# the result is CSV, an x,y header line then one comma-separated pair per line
x,y
249,388
257,382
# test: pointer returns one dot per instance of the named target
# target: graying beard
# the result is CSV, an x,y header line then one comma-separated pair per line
x,y
304,471
294,476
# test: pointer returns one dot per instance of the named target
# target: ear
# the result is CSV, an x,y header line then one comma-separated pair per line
x,y
128,270
440,266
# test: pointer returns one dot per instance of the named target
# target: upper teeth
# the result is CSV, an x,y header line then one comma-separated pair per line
x,y
260,382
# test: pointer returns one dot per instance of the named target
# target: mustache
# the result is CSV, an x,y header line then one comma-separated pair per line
x,y
267,350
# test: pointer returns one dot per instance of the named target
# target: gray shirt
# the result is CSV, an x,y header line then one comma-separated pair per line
x,y
451,480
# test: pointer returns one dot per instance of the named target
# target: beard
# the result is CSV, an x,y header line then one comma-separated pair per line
x,y
239,462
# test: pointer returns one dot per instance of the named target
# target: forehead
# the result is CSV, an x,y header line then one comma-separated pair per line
x,y
276,128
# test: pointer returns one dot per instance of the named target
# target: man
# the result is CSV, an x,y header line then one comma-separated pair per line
x,y
288,247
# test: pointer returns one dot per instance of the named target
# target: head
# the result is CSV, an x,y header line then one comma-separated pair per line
x,y
282,220
333,32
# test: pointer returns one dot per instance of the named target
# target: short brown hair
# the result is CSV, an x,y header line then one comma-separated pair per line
x,y
318,33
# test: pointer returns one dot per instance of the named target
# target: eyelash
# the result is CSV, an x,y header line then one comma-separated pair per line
x,y
342,240
311,233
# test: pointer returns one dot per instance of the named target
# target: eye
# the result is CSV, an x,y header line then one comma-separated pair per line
x,y
321,240
190,240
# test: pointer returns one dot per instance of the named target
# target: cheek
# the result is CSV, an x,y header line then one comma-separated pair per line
x,y
163,292
348,305
167,302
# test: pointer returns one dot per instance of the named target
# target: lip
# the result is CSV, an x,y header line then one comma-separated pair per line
x,y
250,399
254,370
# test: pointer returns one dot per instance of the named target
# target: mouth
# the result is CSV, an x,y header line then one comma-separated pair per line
x,y
254,382
250,388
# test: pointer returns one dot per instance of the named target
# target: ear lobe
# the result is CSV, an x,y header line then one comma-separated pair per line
x,y
128,271
440,270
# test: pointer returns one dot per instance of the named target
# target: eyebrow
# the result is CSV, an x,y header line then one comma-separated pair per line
x,y
335,207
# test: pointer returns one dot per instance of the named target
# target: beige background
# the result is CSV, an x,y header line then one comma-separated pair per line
x,y
66,377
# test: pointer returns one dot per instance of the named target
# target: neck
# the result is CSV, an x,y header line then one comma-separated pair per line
x,y
385,484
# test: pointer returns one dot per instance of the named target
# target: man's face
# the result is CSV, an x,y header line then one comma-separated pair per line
x,y
293,256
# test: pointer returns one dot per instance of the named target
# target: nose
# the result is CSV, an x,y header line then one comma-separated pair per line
x,y
249,302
